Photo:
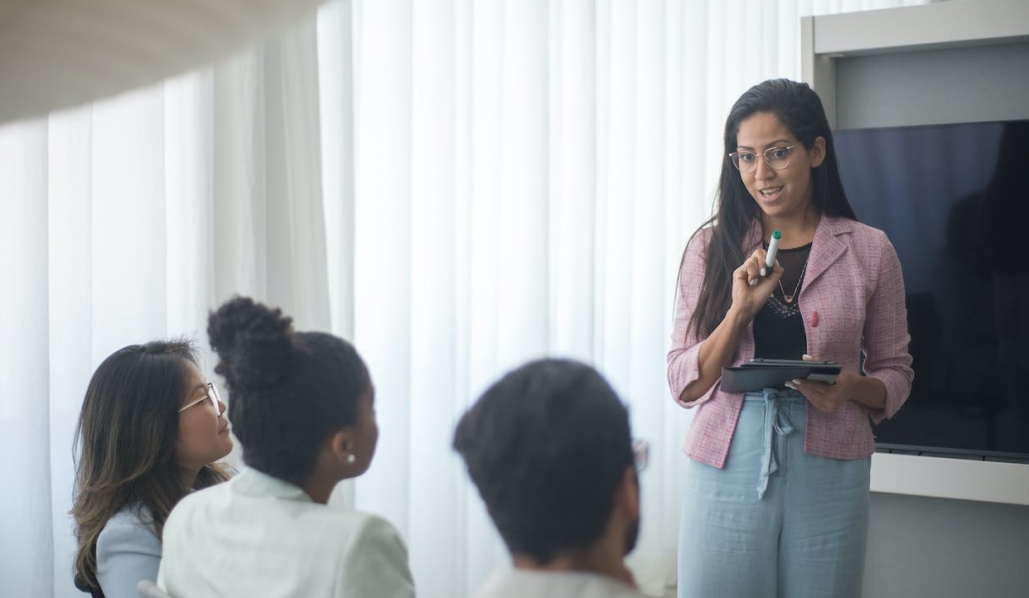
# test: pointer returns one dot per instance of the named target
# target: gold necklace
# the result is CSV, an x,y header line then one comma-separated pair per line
x,y
789,298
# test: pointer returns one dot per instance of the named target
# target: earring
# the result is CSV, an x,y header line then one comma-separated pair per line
x,y
351,458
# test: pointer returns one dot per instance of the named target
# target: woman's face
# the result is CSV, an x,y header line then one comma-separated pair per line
x,y
365,430
783,193
203,429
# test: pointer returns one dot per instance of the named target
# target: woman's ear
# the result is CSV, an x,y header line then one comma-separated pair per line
x,y
818,152
339,445
628,496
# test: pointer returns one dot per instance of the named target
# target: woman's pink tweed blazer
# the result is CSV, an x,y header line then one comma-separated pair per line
x,y
852,300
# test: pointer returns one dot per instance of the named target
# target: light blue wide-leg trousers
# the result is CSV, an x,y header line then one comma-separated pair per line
x,y
776,522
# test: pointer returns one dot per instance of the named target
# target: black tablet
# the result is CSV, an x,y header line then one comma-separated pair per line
x,y
759,374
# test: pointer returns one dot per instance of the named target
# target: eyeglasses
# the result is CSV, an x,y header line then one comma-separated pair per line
x,y
776,157
211,394
640,453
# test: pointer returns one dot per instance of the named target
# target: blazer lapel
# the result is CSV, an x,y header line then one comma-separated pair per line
x,y
828,246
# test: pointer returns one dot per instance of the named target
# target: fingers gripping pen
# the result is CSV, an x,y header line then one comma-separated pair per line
x,y
773,248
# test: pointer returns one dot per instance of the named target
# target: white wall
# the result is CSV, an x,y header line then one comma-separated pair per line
x,y
940,548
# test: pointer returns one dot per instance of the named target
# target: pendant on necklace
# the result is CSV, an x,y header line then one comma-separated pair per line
x,y
796,289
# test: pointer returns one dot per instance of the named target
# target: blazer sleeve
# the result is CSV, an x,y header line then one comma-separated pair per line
x,y
376,566
886,333
683,357
127,552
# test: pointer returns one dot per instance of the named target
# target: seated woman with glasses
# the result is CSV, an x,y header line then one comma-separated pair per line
x,y
150,430
302,405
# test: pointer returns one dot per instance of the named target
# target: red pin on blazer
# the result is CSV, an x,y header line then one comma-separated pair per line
x,y
814,320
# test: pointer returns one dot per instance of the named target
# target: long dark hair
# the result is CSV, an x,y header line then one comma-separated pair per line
x,y
125,438
800,110
288,391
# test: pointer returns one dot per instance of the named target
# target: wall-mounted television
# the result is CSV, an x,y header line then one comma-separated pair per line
x,y
954,200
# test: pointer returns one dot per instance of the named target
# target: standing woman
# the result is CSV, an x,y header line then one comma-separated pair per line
x,y
150,430
302,405
776,500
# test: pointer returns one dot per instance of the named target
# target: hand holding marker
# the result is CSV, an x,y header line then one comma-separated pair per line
x,y
773,249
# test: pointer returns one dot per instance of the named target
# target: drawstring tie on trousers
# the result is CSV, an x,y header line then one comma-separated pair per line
x,y
775,424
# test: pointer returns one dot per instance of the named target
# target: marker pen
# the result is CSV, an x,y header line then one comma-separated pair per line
x,y
773,248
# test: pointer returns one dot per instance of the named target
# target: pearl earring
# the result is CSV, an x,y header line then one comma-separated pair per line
x,y
351,458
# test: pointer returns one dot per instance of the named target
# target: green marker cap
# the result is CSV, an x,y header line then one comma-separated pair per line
x,y
776,234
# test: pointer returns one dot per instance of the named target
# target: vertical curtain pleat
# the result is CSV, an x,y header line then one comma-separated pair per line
x,y
297,278
25,427
435,393
383,243
188,189
617,178
128,215
573,177
519,251
69,359
239,209
336,102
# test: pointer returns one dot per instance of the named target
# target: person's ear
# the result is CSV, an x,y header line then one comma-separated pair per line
x,y
818,152
340,444
627,497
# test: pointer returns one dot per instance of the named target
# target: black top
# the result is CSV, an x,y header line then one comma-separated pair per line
x,y
779,327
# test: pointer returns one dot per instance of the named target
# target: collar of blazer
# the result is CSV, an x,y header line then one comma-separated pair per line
x,y
255,483
828,246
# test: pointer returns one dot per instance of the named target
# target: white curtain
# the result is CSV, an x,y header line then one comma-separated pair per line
x,y
455,185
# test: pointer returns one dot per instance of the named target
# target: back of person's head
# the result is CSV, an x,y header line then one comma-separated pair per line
x,y
288,391
548,446
126,441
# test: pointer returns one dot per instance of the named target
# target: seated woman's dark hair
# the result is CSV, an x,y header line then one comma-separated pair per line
x,y
125,445
288,390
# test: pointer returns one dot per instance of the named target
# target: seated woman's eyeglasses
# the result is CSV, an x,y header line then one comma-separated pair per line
x,y
211,394
776,157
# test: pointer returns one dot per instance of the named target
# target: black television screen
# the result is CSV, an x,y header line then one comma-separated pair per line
x,y
954,200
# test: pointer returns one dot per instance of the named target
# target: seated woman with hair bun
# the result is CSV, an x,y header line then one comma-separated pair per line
x,y
302,407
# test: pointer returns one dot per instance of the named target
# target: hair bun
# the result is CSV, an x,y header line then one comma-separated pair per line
x,y
253,342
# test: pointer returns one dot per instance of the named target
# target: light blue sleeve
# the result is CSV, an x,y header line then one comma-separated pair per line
x,y
127,552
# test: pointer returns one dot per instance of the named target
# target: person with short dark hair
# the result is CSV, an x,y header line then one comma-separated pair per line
x,y
550,450
150,432
302,405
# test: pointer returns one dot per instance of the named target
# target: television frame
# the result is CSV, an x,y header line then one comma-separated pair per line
x,y
937,26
